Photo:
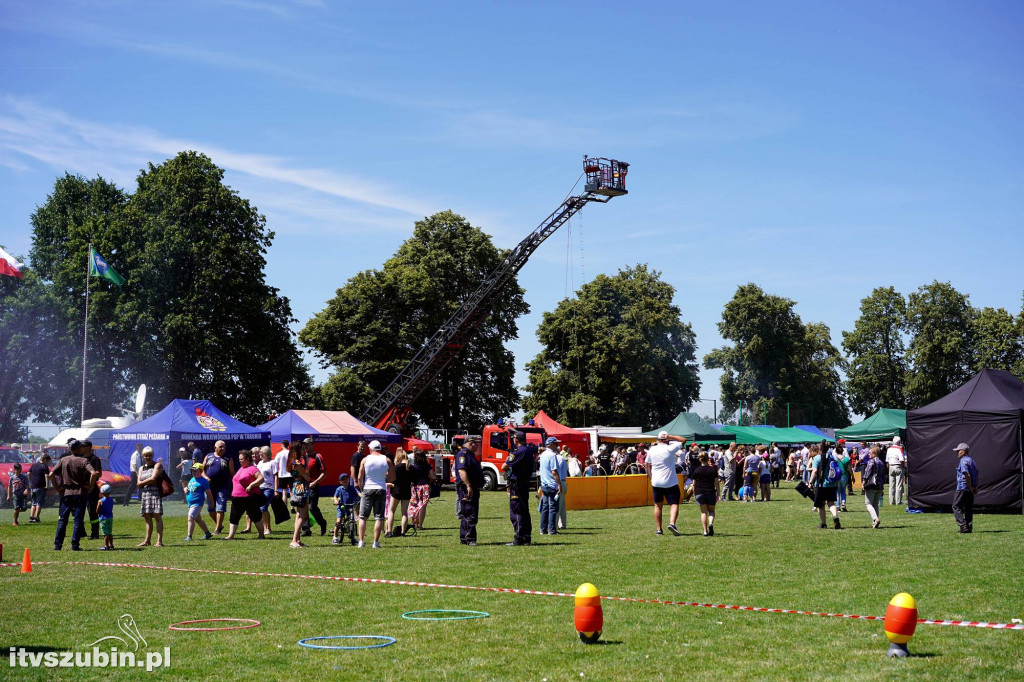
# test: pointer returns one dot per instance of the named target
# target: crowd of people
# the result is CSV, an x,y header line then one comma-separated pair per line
x,y
395,488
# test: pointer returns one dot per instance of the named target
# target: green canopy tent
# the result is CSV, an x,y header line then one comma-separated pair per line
x,y
695,429
752,435
882,425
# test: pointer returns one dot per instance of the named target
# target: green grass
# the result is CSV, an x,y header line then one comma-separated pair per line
x,y
762,555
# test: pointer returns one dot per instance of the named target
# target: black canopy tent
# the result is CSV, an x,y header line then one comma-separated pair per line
x,y
987,413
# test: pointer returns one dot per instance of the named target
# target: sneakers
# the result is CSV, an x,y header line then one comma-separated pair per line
x,y
672,527
361,544
705,533
335,541
188,538
658,532
838,525
874,524
823,526
208,536
295,545
389,535
711,529
376,545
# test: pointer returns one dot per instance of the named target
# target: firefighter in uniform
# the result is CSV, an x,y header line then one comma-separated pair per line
x,y
518,469
469,479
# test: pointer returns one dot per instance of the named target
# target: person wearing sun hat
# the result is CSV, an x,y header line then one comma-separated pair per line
x,y
966,488
896,460
661,472
551,487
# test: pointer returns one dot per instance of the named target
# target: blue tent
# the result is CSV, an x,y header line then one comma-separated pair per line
x,y
178,423
815,430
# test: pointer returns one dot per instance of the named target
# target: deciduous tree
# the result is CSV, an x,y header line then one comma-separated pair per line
x,y
380,319
617,354
877,353
940,355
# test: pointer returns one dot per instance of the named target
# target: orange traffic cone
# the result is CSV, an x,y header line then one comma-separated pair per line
x,y
26,563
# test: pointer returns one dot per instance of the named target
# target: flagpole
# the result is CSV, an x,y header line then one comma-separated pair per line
x,y
85,334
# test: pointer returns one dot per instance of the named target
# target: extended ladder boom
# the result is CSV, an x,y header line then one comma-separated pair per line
x,y
605,179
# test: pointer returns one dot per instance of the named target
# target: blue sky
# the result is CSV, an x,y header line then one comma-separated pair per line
x,y
817,149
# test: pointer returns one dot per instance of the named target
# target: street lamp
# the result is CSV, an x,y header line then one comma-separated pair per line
x,y
715,402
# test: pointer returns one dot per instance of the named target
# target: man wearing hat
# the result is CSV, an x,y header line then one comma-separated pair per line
x,y
661,471
896,460
317,471
551,487
73,477
966,489
469,479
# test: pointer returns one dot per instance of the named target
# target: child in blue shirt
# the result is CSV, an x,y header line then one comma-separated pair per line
x,y
17,489
346,497
197,492
105,510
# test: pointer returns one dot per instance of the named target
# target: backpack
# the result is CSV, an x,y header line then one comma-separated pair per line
x,y
299,493
834,472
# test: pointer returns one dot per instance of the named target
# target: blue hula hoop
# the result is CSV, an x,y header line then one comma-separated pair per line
x,y
388,641
466,615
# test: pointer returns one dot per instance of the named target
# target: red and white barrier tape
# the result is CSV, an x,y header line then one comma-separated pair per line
x,y
509,590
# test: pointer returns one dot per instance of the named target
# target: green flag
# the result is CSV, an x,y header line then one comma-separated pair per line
x,y
98,267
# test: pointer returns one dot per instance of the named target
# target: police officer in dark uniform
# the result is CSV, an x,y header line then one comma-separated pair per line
x,y
518,469
469,479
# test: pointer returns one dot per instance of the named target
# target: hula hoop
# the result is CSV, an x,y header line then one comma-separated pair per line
x,y
250,623
388,641
466,615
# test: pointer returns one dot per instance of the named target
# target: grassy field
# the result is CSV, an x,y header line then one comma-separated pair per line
x,y
770,555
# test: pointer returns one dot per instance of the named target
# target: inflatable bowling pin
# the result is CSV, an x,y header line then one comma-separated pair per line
x,y
900,623
587,615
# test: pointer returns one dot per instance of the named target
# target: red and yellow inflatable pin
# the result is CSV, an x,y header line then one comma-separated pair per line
x,y
587,615
900,623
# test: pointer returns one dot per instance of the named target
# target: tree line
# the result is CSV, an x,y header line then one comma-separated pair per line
x,y
197,318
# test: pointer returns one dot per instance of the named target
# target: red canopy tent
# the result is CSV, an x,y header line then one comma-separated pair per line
x,y
334,433
578,441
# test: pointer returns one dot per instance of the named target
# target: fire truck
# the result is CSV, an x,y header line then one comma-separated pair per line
x,y
605,179
494,450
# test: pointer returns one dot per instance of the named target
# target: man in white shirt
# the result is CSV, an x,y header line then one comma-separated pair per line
x,y
661,470
133,465
375,472
284,476
896,459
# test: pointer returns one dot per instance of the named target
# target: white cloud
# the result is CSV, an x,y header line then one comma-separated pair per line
x,y
117,152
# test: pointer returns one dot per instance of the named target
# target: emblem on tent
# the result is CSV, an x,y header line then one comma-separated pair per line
x,y
208,422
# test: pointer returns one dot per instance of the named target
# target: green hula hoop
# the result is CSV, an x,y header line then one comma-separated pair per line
x,y
458,614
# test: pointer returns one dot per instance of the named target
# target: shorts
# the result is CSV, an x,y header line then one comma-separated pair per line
x,y
268,497
283,482
39,497
345,510
106,526
825,497
195,511
246,505
220,500
19,502
766,478
669,495
748,480
372,499
705,499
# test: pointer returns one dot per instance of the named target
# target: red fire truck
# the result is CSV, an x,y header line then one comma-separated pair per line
x,y
497,444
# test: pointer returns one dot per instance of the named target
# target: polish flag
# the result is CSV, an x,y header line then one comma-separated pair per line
x,y
8,265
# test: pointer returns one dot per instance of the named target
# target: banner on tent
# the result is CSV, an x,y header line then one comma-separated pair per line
x,y
139,436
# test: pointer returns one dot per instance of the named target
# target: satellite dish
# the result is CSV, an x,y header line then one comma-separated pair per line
x,y
140,401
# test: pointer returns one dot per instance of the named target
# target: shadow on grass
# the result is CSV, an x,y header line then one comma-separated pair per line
x,y
991,531
603,642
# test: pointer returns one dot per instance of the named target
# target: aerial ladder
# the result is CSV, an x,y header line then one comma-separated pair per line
x,y
605,178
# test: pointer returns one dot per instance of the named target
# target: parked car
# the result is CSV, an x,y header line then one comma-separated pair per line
x,y
8,456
